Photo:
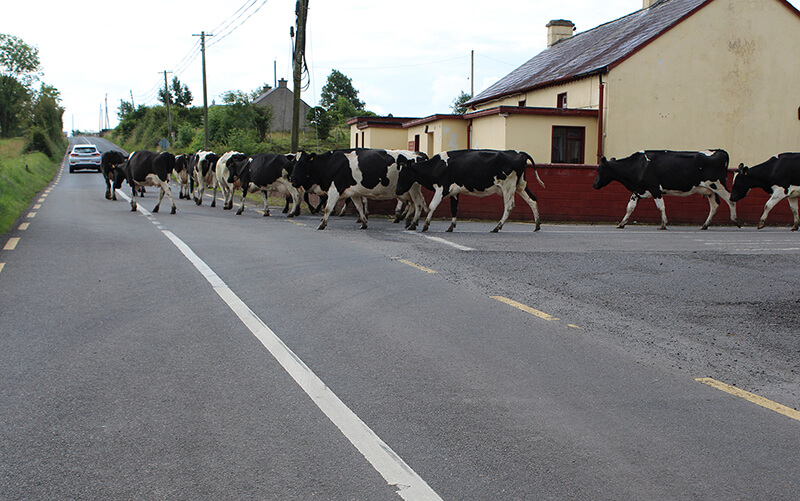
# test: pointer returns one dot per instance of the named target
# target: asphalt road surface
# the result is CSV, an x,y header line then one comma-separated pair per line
x,y
204,355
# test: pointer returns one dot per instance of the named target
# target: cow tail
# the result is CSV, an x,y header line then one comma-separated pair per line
x,y
535,172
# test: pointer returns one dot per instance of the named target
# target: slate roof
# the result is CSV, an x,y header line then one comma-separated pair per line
x,y
593,51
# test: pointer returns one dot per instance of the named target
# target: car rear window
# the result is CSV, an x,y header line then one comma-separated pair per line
x,y
85,149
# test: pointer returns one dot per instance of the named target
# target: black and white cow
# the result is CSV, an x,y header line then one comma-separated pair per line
x,y
473,172
110,165
655,173
779,176
221,174
182,175
146,168
203,165
264,172
354,174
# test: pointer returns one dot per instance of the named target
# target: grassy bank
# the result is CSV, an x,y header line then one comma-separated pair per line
x,y
21,177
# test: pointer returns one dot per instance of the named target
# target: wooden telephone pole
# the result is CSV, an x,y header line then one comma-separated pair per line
x,y
203,36
298,57
166,101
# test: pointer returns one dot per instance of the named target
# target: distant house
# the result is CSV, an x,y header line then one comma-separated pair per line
x,y
280,99
677,74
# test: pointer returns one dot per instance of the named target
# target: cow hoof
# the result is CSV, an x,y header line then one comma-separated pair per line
x,y
174,210
155,209
321,226
424,229
266,214
794,228
662,227
133,209
704,227
449,230
213,204
239,212
538,227
621,226
363,226
761,225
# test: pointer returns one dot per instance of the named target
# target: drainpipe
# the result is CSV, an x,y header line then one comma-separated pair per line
x,y
469,135
600,119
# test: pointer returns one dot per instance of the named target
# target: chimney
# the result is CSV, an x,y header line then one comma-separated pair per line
x,y
282,83
648,3
559,29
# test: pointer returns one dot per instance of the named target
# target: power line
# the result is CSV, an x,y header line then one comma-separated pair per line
x,y
222,37
398,66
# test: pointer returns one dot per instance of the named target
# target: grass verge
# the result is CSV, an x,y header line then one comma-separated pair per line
x,y
22,176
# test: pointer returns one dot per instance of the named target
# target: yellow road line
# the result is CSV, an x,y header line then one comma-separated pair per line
x,y
31,215
2,265
24,226
414,265
575,326
11,244
296,223
525,308
751,397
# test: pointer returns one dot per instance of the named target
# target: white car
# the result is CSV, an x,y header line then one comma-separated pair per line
x,y
84,156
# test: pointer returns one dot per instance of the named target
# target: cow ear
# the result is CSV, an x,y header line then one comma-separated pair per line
x,y
742,168
312,156
613,159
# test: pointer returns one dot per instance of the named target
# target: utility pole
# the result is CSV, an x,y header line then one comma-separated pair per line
x,y
108,124
133,105
472,74
167,99
299,54
203,36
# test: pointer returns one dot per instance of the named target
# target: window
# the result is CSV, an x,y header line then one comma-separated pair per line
x,y
561,101
522,103
568,145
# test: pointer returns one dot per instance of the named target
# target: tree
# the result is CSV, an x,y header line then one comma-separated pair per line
x,y
321,121
19,69
339,85
459,107
179,95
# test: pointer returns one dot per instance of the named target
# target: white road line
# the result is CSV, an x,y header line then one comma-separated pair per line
x,y
443,241
393,469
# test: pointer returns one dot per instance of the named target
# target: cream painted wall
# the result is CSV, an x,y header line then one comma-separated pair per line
x,y
582,94
378,137
441,135
727,77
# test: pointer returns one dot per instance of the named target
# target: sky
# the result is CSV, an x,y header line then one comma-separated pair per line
x,y
407,58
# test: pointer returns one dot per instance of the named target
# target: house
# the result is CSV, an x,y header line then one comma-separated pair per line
x,y
280,99
676,74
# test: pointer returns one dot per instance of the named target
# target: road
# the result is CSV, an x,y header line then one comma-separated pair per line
x,y
204,355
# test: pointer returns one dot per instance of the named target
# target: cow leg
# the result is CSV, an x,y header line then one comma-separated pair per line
x,y
398,211
333,197
508,204
359,203
793,206
629,210
165,189
776,197
713,205
266,205
288,199
133,198
435,201
660,205
530,199
726,197
418,201
454,213
241,206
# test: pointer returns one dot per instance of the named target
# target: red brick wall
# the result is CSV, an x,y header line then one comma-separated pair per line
x,y
569,196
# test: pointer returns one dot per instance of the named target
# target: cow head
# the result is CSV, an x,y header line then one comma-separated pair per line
x,y
236,164
181,162
741,183
420,172
609,170
302,170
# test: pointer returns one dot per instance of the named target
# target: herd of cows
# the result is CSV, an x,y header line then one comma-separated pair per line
x,y
361,174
